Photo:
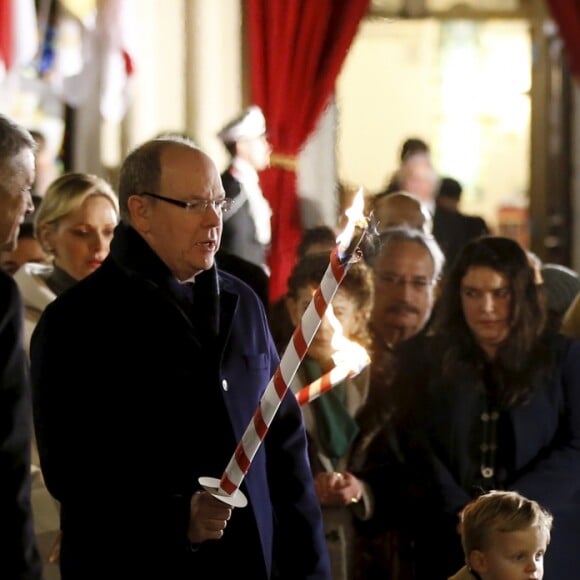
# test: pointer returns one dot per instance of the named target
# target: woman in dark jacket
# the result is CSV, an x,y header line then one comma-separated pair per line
x,y
487,400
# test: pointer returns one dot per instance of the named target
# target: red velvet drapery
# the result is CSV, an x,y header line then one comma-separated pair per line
x,y
297,48
6,48
566,14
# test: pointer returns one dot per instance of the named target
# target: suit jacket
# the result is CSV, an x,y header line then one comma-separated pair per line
x,y
19,559
239,231
36,294
135,401
453,230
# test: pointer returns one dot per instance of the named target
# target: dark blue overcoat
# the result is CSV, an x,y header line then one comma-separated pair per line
x,y
133,404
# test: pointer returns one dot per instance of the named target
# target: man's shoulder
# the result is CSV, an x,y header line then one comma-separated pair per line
x,y
475,224
88,294
450,225
231,185
231,281
443,216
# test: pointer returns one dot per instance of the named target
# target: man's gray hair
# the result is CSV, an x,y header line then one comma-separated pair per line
x,y
407,234
13,139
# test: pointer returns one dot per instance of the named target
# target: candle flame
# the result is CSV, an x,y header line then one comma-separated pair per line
x,y
355,216
348,354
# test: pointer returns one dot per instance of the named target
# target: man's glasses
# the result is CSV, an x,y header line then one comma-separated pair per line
x,y
198,206
417,283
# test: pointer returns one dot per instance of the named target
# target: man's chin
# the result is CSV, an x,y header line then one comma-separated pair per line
x,y
206,264
395,333
402,320
408,332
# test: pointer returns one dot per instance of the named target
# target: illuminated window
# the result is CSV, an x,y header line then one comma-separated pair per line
x,y
480,5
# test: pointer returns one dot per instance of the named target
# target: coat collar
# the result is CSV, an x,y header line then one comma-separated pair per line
x,y
133,255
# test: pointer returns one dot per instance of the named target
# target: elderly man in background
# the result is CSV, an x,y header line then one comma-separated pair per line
x,y
19,554
401,209
407,268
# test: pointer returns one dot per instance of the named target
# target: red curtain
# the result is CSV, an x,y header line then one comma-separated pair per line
x,y
297,48
566,13
6,41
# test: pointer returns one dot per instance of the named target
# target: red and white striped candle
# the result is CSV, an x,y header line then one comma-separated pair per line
x,y
327,381
227,489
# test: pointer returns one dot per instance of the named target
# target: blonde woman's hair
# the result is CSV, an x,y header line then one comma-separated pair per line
x,y
500,511
66,194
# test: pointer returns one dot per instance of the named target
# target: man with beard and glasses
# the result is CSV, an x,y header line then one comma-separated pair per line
x,y
407,266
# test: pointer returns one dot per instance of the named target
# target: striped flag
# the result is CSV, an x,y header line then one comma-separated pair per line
x,y
18,35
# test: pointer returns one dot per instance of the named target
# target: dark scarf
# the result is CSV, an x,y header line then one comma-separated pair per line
x,y
200,300
336,429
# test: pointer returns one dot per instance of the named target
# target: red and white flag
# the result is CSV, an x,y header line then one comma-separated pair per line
x,y
18,35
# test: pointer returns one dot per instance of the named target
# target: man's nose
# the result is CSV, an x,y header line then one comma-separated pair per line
x,y
213,215
404,288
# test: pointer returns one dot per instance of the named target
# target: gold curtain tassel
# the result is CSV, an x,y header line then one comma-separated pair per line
x,y
287,162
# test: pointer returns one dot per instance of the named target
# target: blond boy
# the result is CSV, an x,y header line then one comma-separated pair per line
x,y
505,537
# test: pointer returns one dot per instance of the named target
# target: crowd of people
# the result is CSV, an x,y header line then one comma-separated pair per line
x,y
138,342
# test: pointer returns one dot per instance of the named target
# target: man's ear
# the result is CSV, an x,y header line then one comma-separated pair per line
x,y
139,210
478,561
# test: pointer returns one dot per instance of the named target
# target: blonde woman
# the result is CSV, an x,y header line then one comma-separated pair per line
x,y
74,224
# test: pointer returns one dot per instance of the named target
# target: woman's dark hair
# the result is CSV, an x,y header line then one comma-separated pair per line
x,y
521,359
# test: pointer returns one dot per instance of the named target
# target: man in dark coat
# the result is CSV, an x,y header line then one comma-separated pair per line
x,y
146,376
19,559
246,229
451,228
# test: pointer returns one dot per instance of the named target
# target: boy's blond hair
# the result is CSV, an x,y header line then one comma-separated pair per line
x,y
500,511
